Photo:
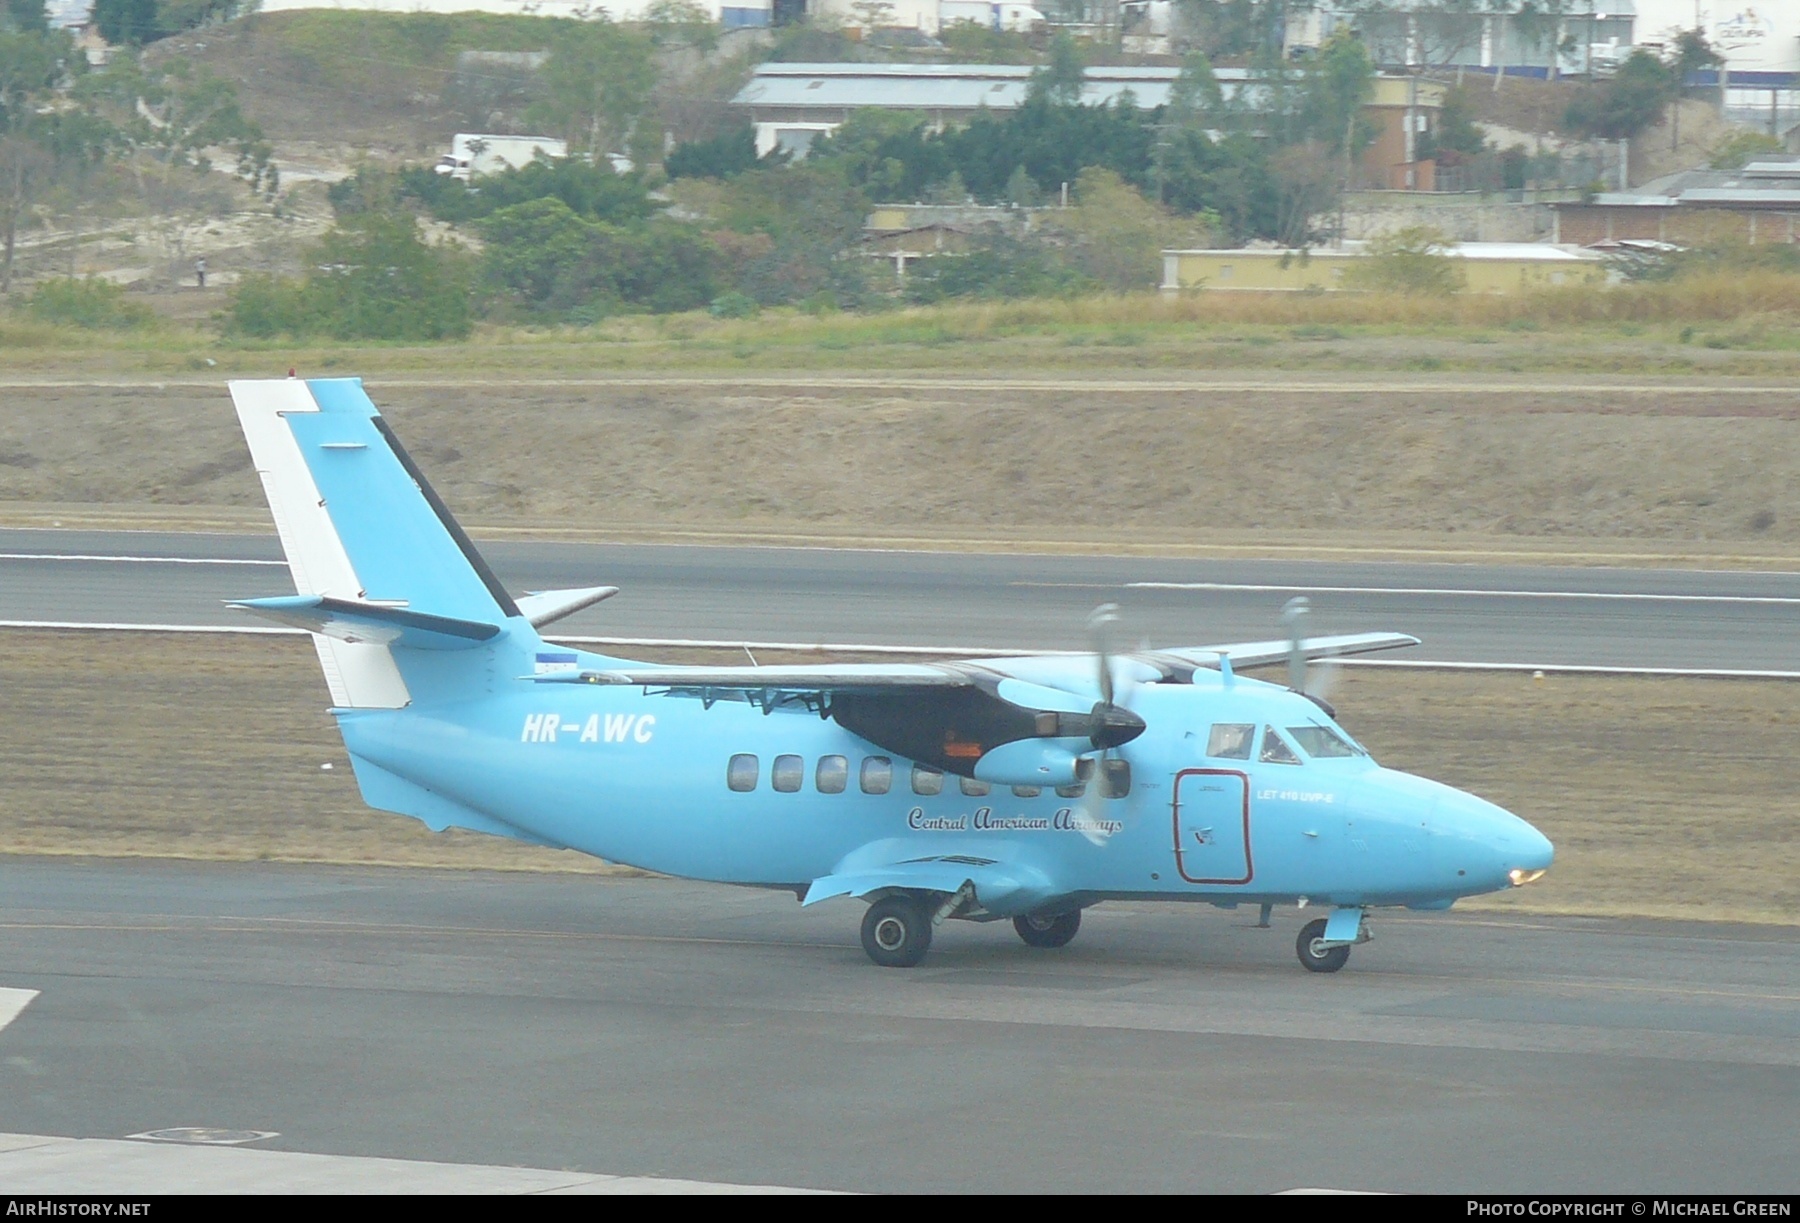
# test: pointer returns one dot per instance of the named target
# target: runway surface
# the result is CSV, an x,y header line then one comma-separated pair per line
x,y
657,1028
1464,613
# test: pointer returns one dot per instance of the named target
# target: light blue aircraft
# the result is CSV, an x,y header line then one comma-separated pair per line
x,y
1019,788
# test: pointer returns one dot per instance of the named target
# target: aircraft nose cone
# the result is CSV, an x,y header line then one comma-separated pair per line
x,y
1515,853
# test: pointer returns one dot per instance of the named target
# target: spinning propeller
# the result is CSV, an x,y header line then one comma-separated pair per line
x,y
1312,682
1113,726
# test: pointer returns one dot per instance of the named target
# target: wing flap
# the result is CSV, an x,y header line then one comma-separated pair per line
x,y
1001,888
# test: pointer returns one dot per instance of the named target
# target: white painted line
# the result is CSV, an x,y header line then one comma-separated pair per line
x,y
105,626
12,1001
34,1164
136,560
943,651
1454,592
1557,668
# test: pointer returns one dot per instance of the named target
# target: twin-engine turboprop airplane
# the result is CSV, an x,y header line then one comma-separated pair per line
x,y
1017,788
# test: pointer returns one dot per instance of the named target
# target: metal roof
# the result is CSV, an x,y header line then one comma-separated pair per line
x,y
942,86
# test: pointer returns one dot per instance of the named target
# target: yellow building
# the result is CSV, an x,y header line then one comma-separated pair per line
x,y
1488,267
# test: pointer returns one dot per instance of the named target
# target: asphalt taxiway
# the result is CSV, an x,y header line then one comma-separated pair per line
x,y
1668,618
653,1028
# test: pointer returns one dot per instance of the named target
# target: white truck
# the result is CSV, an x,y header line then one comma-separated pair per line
x,y
473,153
1015,18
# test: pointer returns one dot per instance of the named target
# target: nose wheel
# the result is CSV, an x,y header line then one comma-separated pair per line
x,y
1319,953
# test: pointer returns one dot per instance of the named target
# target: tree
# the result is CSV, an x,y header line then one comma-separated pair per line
x,y
730,152
1410,260
596,83
1118,235
1336,84
377,280
1691,53
1632,100
1059,80
136,22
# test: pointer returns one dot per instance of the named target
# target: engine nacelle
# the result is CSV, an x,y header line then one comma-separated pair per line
x,y
1035,762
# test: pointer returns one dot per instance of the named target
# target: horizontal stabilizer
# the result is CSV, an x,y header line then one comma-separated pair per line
x,y
354,621
543,607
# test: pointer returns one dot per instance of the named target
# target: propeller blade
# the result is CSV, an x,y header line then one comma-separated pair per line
x,y
1293,618
1100,623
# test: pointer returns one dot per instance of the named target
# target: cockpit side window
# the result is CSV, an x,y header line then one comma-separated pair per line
x,y
1231,740
1275,749
1322,742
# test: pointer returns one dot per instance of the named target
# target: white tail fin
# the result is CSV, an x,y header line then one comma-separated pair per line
x,y
361,675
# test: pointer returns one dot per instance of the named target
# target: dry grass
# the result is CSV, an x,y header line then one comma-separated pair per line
x,y
1665,797
1122,469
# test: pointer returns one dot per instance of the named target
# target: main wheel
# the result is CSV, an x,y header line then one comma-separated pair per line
x,y
1048,929
896,932
1315,957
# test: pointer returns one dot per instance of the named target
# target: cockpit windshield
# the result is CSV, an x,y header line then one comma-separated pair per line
x,y
1275,749
1231,740
1321,742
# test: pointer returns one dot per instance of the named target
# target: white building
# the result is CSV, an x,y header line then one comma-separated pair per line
x,y
732,14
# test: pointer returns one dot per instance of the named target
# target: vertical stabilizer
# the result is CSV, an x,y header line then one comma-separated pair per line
x,y
360,524
361,675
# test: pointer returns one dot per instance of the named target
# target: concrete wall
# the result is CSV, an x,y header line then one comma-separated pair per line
x,y
1462,218
1292,271
1585,224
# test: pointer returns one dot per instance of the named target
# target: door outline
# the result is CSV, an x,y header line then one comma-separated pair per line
x,y
1175,822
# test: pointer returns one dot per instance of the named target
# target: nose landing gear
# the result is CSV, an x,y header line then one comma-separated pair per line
x,y
1324,944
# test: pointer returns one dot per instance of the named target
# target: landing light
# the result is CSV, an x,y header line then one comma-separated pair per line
x,y
1522,877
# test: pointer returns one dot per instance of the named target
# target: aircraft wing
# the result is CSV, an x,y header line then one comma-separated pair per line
x,y
997,887
847,677
1261,653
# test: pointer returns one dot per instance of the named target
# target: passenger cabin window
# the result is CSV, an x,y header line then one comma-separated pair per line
x,y
877,774
1072,791
786,774
740,774
1231,740
973,788
1321,742
1274,750
927,780
1115,778
832,774
1027,791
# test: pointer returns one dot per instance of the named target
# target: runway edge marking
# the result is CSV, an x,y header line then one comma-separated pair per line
x,y
12,1002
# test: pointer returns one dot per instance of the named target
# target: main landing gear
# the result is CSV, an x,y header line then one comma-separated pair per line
x,y
1048,929
1324,944
896,931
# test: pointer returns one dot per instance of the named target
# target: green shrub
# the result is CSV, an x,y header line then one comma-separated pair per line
x,y
733,305
551,261
92,303
374,279
1410,260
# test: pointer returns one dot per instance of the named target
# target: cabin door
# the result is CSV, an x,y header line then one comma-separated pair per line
x,y
1212,826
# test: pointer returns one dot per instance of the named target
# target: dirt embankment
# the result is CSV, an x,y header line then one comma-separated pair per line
x,y
1683,466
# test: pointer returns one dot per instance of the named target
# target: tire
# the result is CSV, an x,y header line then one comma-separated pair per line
x,y
896,932
1319,959
1048,929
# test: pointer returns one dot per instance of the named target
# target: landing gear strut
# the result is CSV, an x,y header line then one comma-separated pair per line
x,y
896,932
1048,929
